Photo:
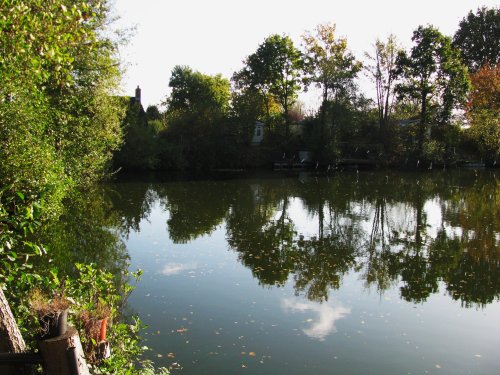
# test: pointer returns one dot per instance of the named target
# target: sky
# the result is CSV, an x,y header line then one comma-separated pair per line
x,y
215,36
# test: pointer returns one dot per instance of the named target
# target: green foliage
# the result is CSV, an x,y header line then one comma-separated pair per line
x,y
58,121
93,286
432,74
140,149
192,92
19,218
332,67
273,74
485,129
86,289
329,64
197,135
478,38
103,279
59,125
153,113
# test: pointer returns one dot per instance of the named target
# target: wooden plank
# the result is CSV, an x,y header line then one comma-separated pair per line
x,y
20,358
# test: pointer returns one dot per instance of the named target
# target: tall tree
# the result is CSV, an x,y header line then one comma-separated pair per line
x,y
274,71
194,92
432,74
381,70
478,38
330,66
196,113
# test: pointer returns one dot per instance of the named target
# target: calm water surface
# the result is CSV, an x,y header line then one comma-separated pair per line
x,y
376,273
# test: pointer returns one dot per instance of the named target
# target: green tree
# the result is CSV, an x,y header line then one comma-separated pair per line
x,y
196,93
332,67
140,149
59,121
196,116
478,38
273,71
153,113
432,74
381,70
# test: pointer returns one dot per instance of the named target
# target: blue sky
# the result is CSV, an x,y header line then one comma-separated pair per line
x,y
215,36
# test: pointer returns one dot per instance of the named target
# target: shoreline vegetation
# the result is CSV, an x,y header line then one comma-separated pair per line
x,y
63,126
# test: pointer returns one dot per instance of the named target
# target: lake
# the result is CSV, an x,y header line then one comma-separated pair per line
x,y
354,273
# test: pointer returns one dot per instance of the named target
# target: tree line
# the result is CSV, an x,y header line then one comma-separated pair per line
x,y
437,102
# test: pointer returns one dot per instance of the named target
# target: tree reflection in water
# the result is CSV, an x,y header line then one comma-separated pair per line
x,y
422,232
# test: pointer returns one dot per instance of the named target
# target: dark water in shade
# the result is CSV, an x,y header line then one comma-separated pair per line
x,y
376,273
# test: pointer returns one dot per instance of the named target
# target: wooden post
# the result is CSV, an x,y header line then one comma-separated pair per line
x,y
63,355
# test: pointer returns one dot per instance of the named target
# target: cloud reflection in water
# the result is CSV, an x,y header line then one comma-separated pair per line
x,y
327,315
176,268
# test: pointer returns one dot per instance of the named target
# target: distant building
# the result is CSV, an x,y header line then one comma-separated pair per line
x,y
258,134
138,94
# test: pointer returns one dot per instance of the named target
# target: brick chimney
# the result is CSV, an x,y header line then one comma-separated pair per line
x,y
138,94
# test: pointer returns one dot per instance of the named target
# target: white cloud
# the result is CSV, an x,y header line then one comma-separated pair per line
x,y
324,323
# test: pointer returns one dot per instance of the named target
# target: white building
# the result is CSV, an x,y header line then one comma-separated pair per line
x,y
258,133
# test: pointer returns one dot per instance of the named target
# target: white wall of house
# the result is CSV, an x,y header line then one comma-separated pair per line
x,y
258,133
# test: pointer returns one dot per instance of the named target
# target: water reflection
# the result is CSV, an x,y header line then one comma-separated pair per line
x,y
90,230
171,269
418,232
324,324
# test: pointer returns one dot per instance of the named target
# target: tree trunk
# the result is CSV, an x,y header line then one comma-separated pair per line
x,y
422,125
10,337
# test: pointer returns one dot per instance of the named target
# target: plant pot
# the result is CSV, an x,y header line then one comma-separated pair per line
x,y
54,324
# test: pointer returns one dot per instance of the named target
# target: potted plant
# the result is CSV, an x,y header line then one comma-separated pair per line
x,y
94,320
52,313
